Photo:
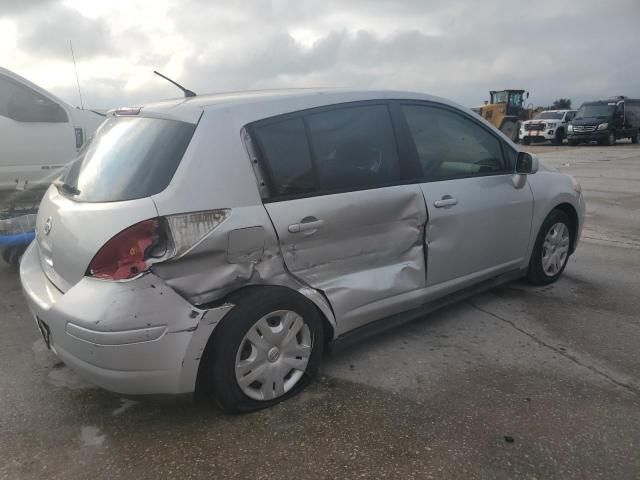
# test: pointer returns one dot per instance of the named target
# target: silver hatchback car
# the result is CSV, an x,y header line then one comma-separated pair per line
x,y
219,243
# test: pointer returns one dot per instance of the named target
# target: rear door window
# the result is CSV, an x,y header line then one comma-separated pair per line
x,y
452,146
354,147
129,157
331,150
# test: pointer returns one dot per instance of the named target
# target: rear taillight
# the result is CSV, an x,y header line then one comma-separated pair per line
x,y
126,254
135,249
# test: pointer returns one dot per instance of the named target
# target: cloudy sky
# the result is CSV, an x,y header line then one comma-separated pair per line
x,y
457,49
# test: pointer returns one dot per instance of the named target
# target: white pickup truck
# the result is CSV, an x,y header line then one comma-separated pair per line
x,y
39,133
547,125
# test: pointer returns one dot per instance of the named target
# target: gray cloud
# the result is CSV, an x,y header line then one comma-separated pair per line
x,y
18,7
458,49
47,33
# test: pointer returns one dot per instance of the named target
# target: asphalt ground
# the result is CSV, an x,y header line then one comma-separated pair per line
x,y
520,382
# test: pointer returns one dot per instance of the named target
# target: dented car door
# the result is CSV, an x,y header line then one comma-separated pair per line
x,y
363,249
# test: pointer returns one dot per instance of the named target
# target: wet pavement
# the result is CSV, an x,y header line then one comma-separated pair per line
x,y
519,382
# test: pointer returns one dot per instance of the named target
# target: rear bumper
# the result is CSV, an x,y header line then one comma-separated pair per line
x,y
134,337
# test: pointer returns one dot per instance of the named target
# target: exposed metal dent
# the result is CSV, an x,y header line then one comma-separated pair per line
x,y
201,333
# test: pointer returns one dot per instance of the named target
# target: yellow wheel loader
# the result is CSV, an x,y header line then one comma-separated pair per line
x,y
506,110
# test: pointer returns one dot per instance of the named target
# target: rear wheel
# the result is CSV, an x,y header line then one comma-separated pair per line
x,y
265,350
551,251
509,128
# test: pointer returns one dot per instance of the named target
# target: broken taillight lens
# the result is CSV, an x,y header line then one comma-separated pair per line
x,y
135,249
126,254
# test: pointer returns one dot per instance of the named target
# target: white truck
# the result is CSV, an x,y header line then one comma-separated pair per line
x,y
549,125
39,133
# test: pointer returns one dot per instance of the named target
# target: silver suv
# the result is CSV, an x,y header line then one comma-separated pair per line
x,y
219,243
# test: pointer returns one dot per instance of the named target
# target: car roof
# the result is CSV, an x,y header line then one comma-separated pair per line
x,y
276,101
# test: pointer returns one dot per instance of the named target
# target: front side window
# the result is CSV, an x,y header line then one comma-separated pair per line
x,y
450,145
23,104
515,99
354,147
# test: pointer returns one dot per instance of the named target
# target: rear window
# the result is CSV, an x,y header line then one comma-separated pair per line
x,y
129,158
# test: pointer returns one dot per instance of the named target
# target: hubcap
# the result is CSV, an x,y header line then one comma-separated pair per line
x,y
273,355
555,249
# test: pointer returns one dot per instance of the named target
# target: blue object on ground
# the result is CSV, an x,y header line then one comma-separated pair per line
x,y
16,239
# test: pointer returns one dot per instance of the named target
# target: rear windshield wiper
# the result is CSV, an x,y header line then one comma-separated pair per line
x,y
65,187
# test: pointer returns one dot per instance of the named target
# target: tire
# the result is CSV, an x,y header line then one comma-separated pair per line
x,y
572,143
543,270
611,139
634,138
229,352
557,140
510,129
526,141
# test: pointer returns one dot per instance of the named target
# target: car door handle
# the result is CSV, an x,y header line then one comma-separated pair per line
x,y
446,201
306,226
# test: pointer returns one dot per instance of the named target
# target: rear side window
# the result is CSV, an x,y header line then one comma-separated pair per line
x,y
354,147
341,149
285,144
22,104
452,146
129,157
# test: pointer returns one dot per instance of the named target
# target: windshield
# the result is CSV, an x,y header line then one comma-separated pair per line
x,y
602,110
129,157
550,116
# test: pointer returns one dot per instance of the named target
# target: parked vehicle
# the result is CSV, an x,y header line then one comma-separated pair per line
x,y
39,133
505,110
605,121
549,125
250,230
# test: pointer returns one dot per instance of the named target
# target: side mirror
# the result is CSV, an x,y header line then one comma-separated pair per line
x,y
526,164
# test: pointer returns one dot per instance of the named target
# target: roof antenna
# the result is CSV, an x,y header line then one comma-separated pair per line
x,y
187,92
73,57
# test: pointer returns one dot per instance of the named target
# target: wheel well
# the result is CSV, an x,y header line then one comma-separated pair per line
x,y
568,209
329,331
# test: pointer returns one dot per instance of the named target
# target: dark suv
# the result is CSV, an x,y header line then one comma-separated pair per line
x,y
605,121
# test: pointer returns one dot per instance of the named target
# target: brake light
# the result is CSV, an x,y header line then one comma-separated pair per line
x,y
135,249
126,255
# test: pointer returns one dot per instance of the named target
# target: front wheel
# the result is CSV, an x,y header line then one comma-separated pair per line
x,y
265,350
611,139
557,140
551,251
